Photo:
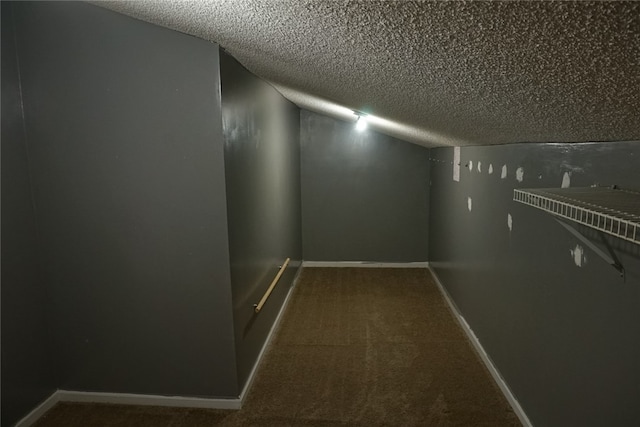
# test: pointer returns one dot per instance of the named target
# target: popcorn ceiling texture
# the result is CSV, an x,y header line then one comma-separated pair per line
x,y
442,73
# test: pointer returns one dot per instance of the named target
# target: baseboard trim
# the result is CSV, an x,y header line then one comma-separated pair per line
x,y
522,416
267,341
365,264
158,400
147,400
39,410
125,399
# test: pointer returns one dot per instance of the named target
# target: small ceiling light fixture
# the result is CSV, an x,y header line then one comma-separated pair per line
x,y
361,123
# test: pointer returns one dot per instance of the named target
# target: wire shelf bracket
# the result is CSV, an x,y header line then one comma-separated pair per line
x,y
609,210
609,258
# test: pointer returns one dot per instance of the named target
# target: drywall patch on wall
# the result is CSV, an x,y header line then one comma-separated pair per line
x,y
480,167
469,203
566,180
520,174
509,222
490,168
578,255
504,172
456,164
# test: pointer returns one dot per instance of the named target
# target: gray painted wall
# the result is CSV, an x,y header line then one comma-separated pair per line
x,y
364,195
565,338
26,371
262,163
125,142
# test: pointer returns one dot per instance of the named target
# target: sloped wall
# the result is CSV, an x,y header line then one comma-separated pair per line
x,y
559,323
262,164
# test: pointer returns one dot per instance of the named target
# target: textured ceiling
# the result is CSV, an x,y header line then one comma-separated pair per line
x,y
436,73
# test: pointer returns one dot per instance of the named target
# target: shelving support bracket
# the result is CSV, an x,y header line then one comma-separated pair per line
x,y
610,258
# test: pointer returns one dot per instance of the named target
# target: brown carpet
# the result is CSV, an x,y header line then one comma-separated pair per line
x,y
356,347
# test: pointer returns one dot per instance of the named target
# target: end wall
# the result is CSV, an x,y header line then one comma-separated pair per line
x,y
365,196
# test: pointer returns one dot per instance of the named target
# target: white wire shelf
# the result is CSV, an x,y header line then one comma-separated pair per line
x,y
608,209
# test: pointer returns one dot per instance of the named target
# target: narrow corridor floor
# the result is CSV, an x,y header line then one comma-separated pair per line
x,y
357,347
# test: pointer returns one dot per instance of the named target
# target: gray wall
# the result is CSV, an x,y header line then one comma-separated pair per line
x,y
566,338
364,195
262,163
26,371
125,142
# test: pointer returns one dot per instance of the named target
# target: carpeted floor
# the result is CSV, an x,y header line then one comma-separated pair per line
x,y
356,346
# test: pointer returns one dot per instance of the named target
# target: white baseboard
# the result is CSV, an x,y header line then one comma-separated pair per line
x,y
125,399
157,400
39,410
147,400
365,264
274,327
522,416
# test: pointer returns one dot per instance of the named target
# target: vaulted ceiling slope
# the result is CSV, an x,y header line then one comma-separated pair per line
x,y
439,73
